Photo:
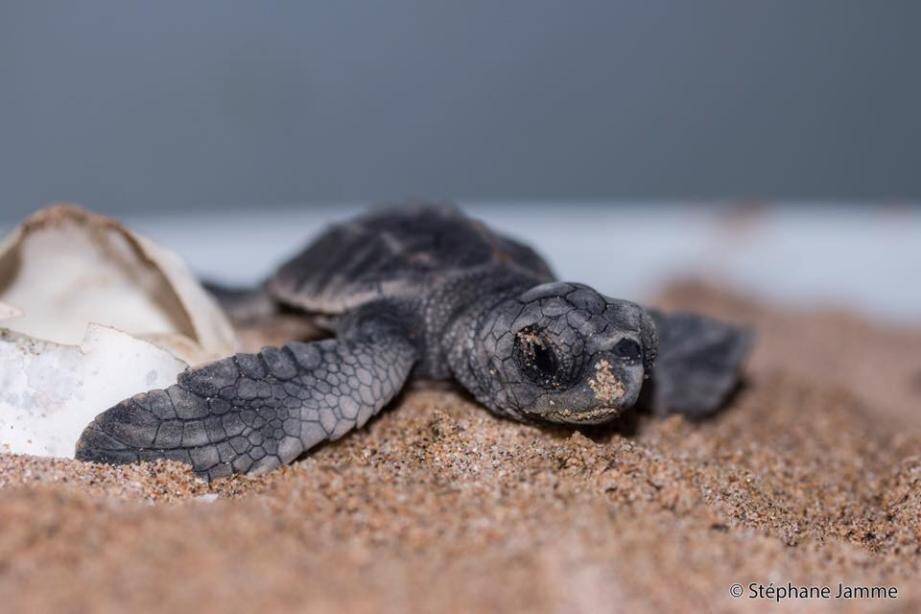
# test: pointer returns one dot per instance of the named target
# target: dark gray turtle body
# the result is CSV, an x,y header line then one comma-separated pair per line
x,y
423,291
399,253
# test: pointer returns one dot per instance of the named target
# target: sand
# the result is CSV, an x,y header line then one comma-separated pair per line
x,y
812,476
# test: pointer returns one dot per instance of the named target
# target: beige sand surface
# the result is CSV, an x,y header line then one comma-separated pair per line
x,y
812,476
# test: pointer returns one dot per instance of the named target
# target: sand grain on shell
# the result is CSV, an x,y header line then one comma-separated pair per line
x,y
438,506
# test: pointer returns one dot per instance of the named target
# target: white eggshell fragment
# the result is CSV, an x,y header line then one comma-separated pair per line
x,y
8,311
91,314
65,267
49,392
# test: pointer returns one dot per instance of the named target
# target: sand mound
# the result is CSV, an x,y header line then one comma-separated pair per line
x,y
812,476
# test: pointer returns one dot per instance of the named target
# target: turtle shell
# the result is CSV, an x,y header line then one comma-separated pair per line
x,y
395,251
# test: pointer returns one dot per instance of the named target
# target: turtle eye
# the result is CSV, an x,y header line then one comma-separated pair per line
x,y
536,357
628,349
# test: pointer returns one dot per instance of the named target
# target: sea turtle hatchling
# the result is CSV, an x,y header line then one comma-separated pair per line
x,y
423,292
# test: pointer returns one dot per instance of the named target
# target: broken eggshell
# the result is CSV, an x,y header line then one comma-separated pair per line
x,y
90,314
49,392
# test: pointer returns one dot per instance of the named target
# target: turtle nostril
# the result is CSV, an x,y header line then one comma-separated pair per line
x,y
628,349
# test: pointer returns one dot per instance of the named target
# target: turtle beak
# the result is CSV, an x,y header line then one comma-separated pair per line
x,y
611,387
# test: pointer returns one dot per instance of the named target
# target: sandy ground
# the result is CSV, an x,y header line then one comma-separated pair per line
x,y
811,476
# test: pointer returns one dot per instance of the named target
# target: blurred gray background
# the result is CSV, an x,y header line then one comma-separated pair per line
x,y
133,107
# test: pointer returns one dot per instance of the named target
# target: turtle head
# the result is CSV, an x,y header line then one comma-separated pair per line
x,y
562,352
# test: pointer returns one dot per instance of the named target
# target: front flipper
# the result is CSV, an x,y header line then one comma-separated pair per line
x,y
255,412
698,363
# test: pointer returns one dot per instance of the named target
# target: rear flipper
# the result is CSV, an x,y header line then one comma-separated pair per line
x,y
255,412
698,364
242,303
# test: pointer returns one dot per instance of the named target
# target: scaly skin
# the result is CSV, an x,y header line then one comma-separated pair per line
x,y
255,412
424,292
698,363
558,352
